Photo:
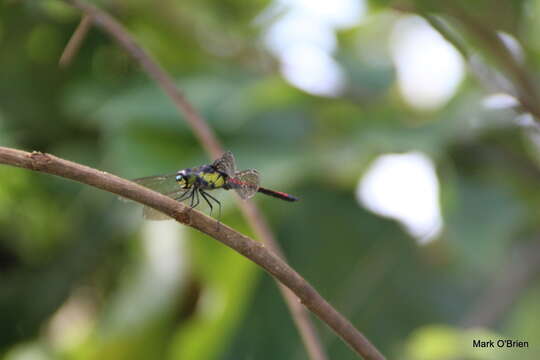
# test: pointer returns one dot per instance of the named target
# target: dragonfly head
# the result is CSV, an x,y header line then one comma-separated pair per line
x,y
185,178
181,178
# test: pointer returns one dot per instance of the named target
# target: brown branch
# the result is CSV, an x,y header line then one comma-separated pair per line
x,y
526,90
107,23
253,250
527,93
75,41
446,33
214,149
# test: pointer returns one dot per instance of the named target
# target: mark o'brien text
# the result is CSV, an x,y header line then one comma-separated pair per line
x,y
501,343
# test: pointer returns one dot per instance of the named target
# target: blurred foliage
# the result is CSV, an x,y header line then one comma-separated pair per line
x,y
82,276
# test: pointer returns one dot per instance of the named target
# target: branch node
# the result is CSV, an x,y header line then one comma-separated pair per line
x,y
183,217
39,159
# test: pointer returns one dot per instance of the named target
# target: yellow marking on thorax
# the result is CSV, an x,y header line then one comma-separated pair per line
x,y
213,178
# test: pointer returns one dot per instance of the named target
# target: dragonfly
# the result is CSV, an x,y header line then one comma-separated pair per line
x,y
194,183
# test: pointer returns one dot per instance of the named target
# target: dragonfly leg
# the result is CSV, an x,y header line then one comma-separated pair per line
x,y
192,204
203,194
186,194
195,199
206,195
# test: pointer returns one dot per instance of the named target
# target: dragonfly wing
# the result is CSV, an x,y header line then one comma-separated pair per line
x,y
225,164
164,184
246,183
161,183
152,214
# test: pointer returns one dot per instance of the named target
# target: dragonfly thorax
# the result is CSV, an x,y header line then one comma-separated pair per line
x,y
204,177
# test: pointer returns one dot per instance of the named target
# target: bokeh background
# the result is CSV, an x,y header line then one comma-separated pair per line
x,y
417,169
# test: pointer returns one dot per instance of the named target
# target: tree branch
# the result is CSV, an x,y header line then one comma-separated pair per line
x,y
253,250
75,41
214,149
107,23
526,91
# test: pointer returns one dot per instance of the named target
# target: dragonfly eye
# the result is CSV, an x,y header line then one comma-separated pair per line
x,y
179,178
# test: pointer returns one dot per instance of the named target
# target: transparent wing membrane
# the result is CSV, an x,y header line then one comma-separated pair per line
x,y
178,195
152,214
165,184
246,183
226,164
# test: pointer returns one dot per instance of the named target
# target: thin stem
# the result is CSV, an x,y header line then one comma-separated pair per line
x,y
212,145
446,33
75,41
107,23
527,93
253,250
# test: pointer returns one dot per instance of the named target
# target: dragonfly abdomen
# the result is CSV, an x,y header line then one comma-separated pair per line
x,y
278,194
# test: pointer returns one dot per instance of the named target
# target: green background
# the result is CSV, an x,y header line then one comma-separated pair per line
x,y
79,280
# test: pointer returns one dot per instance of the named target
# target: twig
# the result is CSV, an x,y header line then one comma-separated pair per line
x,y
75,41
107,23
446,33
214,148
253,250
527,92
